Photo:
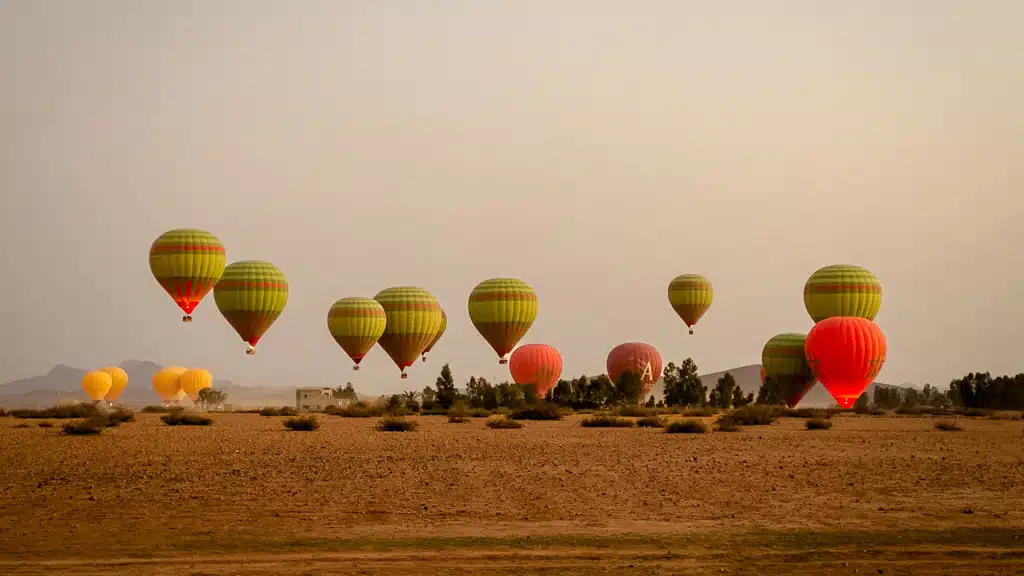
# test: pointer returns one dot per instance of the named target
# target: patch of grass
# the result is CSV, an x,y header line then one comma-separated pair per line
x,y
700,412
947,426
1004,416
83,428
632,411
23,425
727,424
59,412
281,411
160,409
396,424
974,412
503,424
806,413
650,422
818,424
606,421
547,411
453,419
182,419
121,416
754,415
481,413
686,427
302,423
46,424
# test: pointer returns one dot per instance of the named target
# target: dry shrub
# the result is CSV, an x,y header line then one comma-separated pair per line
x,y
503,424
453,419
282,411
83,428
947,426
396,424
159,409
46,424
700,412
121,416
727,424
686,427
59,412
819,424
606,421
23,425
182,419
302,423
754,415
650,422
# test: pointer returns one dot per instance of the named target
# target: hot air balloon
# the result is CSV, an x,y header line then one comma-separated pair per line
x,y
537,364
637,357
690,296
444,326
842,290
846,354
167,385
187,263
783,360
356,324
413,319
502,310
194,380
96,384
118,382
251,295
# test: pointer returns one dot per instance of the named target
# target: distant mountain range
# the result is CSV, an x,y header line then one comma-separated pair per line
x,y
64,383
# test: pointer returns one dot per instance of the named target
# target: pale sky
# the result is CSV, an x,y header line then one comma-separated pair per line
x,y
595,149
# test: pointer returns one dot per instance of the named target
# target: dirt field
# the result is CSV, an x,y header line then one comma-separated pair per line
x,y
872,495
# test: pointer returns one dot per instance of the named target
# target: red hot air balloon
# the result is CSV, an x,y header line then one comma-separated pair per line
x,y
638,357
846,354
538,364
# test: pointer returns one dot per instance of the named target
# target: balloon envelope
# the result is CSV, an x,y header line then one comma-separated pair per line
x,y
194,380
502,310
690,296
118,382
846,354
356,324
842,290
413,319
187,263
96,384
440,332
538,364
638,357
167,385
251,295
784,361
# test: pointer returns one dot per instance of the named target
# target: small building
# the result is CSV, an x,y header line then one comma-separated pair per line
x,y
315,399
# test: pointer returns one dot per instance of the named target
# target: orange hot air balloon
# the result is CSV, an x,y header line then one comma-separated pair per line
x,y
846,354
538,364
638,357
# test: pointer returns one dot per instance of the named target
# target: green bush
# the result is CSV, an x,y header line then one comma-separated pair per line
x,y
396,424
633,411
282,411
302,423
947,426
183,419
453,419
606,421
503,424
806,413
727,424
160,409
686,427
121,416
72,411
700,412
818,424
548,411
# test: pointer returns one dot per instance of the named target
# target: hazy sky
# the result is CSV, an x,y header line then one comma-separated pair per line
x,y
595,149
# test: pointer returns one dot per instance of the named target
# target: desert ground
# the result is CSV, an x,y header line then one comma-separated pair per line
x,y
873,495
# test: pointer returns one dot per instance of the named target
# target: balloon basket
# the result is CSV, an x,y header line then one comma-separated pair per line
x,y
251,352
502,360
691,331
355,366
423,358
405,376
186,318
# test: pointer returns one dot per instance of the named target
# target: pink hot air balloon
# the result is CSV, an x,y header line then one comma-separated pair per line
x,y
538,364
638,357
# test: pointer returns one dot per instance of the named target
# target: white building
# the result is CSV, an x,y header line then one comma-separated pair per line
x,y
316,399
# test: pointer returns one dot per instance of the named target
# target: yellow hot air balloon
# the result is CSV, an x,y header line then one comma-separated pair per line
x,y
167,384
96,384
118,382
502,310
690,296
194,380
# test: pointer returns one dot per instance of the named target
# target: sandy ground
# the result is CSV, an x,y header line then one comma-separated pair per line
x,y
247,497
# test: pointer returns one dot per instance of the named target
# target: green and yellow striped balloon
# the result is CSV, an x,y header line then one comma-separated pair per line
x,y
251,295
502,310
413,319
690,296
842,290
440,332
784,361
356,324
187,263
